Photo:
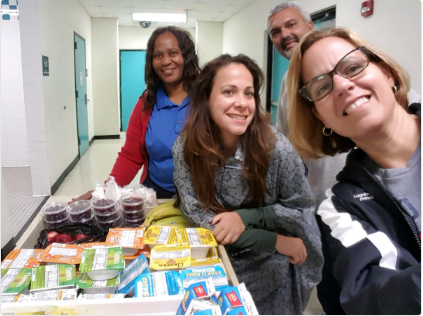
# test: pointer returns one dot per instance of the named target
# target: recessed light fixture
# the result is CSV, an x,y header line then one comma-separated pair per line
x,y
161,17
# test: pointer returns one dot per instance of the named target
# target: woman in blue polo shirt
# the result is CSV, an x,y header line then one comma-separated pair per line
x,y
157,119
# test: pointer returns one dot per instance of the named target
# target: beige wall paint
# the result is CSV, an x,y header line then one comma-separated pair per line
x,y
395,27
105,63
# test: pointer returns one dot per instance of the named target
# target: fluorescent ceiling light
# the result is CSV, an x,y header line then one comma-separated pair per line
x,y
160,17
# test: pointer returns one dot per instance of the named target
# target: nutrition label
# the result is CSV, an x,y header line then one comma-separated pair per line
x,y
22,258
193,237
68,252
163,235
100,259
8,278
6,263
127,238
160,284
172,254
51,278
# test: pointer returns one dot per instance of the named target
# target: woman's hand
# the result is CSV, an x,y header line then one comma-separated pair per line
x,y
85,196
293,248
229,227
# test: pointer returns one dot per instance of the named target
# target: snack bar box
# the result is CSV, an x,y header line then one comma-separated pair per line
x,y
151,305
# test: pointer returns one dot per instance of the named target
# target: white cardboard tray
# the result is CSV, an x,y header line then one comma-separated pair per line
x,y
152,305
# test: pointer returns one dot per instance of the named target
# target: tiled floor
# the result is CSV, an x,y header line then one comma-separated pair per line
x,y
95,166
20,202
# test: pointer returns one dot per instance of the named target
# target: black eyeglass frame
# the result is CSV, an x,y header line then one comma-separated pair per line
x,y
331,73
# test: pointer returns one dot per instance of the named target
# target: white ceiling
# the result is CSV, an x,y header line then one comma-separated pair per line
x,y
198,10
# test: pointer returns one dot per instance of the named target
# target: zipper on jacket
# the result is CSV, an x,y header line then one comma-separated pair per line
x,y
396,204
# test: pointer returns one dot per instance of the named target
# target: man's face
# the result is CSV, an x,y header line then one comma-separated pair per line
x,y
286,29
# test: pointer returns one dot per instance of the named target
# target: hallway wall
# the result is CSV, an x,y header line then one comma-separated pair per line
x,y
14,142
47,29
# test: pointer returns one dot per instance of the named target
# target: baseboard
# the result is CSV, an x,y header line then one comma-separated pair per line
x,y
8,248
62,177
107,137
31,218
91,141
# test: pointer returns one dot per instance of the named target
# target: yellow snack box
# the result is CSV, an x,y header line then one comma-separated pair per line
x,y
162,235
200,240
62,253
22,258
130,239
170,257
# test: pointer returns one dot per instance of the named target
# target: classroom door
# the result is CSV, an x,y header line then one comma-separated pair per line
x,y
132,83
81,94
280,66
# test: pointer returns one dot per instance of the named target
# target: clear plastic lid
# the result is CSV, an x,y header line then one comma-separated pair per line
x,y
54,207
79,207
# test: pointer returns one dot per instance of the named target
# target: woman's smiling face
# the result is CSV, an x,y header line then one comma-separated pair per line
x,y
232,104
355,106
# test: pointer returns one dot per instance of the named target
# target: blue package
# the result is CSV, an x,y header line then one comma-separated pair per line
x,y
229,298
130,273
216,272
159,283
200,290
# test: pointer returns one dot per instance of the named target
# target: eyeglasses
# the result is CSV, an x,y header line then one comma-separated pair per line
x,y
348,67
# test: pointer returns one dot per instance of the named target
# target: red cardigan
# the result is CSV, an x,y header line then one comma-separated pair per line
x,y
133,154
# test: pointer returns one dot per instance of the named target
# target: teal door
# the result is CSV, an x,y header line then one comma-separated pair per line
x,y
132,84
81,94
280,66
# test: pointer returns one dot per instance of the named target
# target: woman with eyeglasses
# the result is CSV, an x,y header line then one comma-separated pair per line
x,y
346,95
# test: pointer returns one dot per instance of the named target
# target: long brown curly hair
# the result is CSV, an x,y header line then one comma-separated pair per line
x,y
203,151
191,68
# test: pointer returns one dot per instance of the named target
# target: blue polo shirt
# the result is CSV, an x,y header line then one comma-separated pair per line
x,y
165,124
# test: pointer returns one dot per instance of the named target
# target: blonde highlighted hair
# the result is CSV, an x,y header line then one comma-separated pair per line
x,y
305,129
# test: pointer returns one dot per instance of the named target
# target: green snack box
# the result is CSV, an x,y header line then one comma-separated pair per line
x,y
15,281
102,263
53,277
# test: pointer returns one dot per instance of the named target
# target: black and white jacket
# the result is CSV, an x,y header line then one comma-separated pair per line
x,y
371,247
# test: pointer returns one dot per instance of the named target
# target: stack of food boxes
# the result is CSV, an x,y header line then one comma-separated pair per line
x,y
132,262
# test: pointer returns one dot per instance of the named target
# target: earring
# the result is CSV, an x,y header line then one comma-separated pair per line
x,y
327,133
394,89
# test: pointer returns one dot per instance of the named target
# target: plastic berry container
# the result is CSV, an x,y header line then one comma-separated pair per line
x,y
132,222
55,211
56,224
104,206
109,224
132,204
92,220
137,215
79,211
106,217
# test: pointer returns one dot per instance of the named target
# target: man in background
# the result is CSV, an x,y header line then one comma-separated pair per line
x,y
287,23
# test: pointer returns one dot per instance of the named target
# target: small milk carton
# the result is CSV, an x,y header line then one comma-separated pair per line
x,y
199,295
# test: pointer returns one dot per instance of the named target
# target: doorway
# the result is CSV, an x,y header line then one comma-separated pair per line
x,y
132,83
81,94
279,65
